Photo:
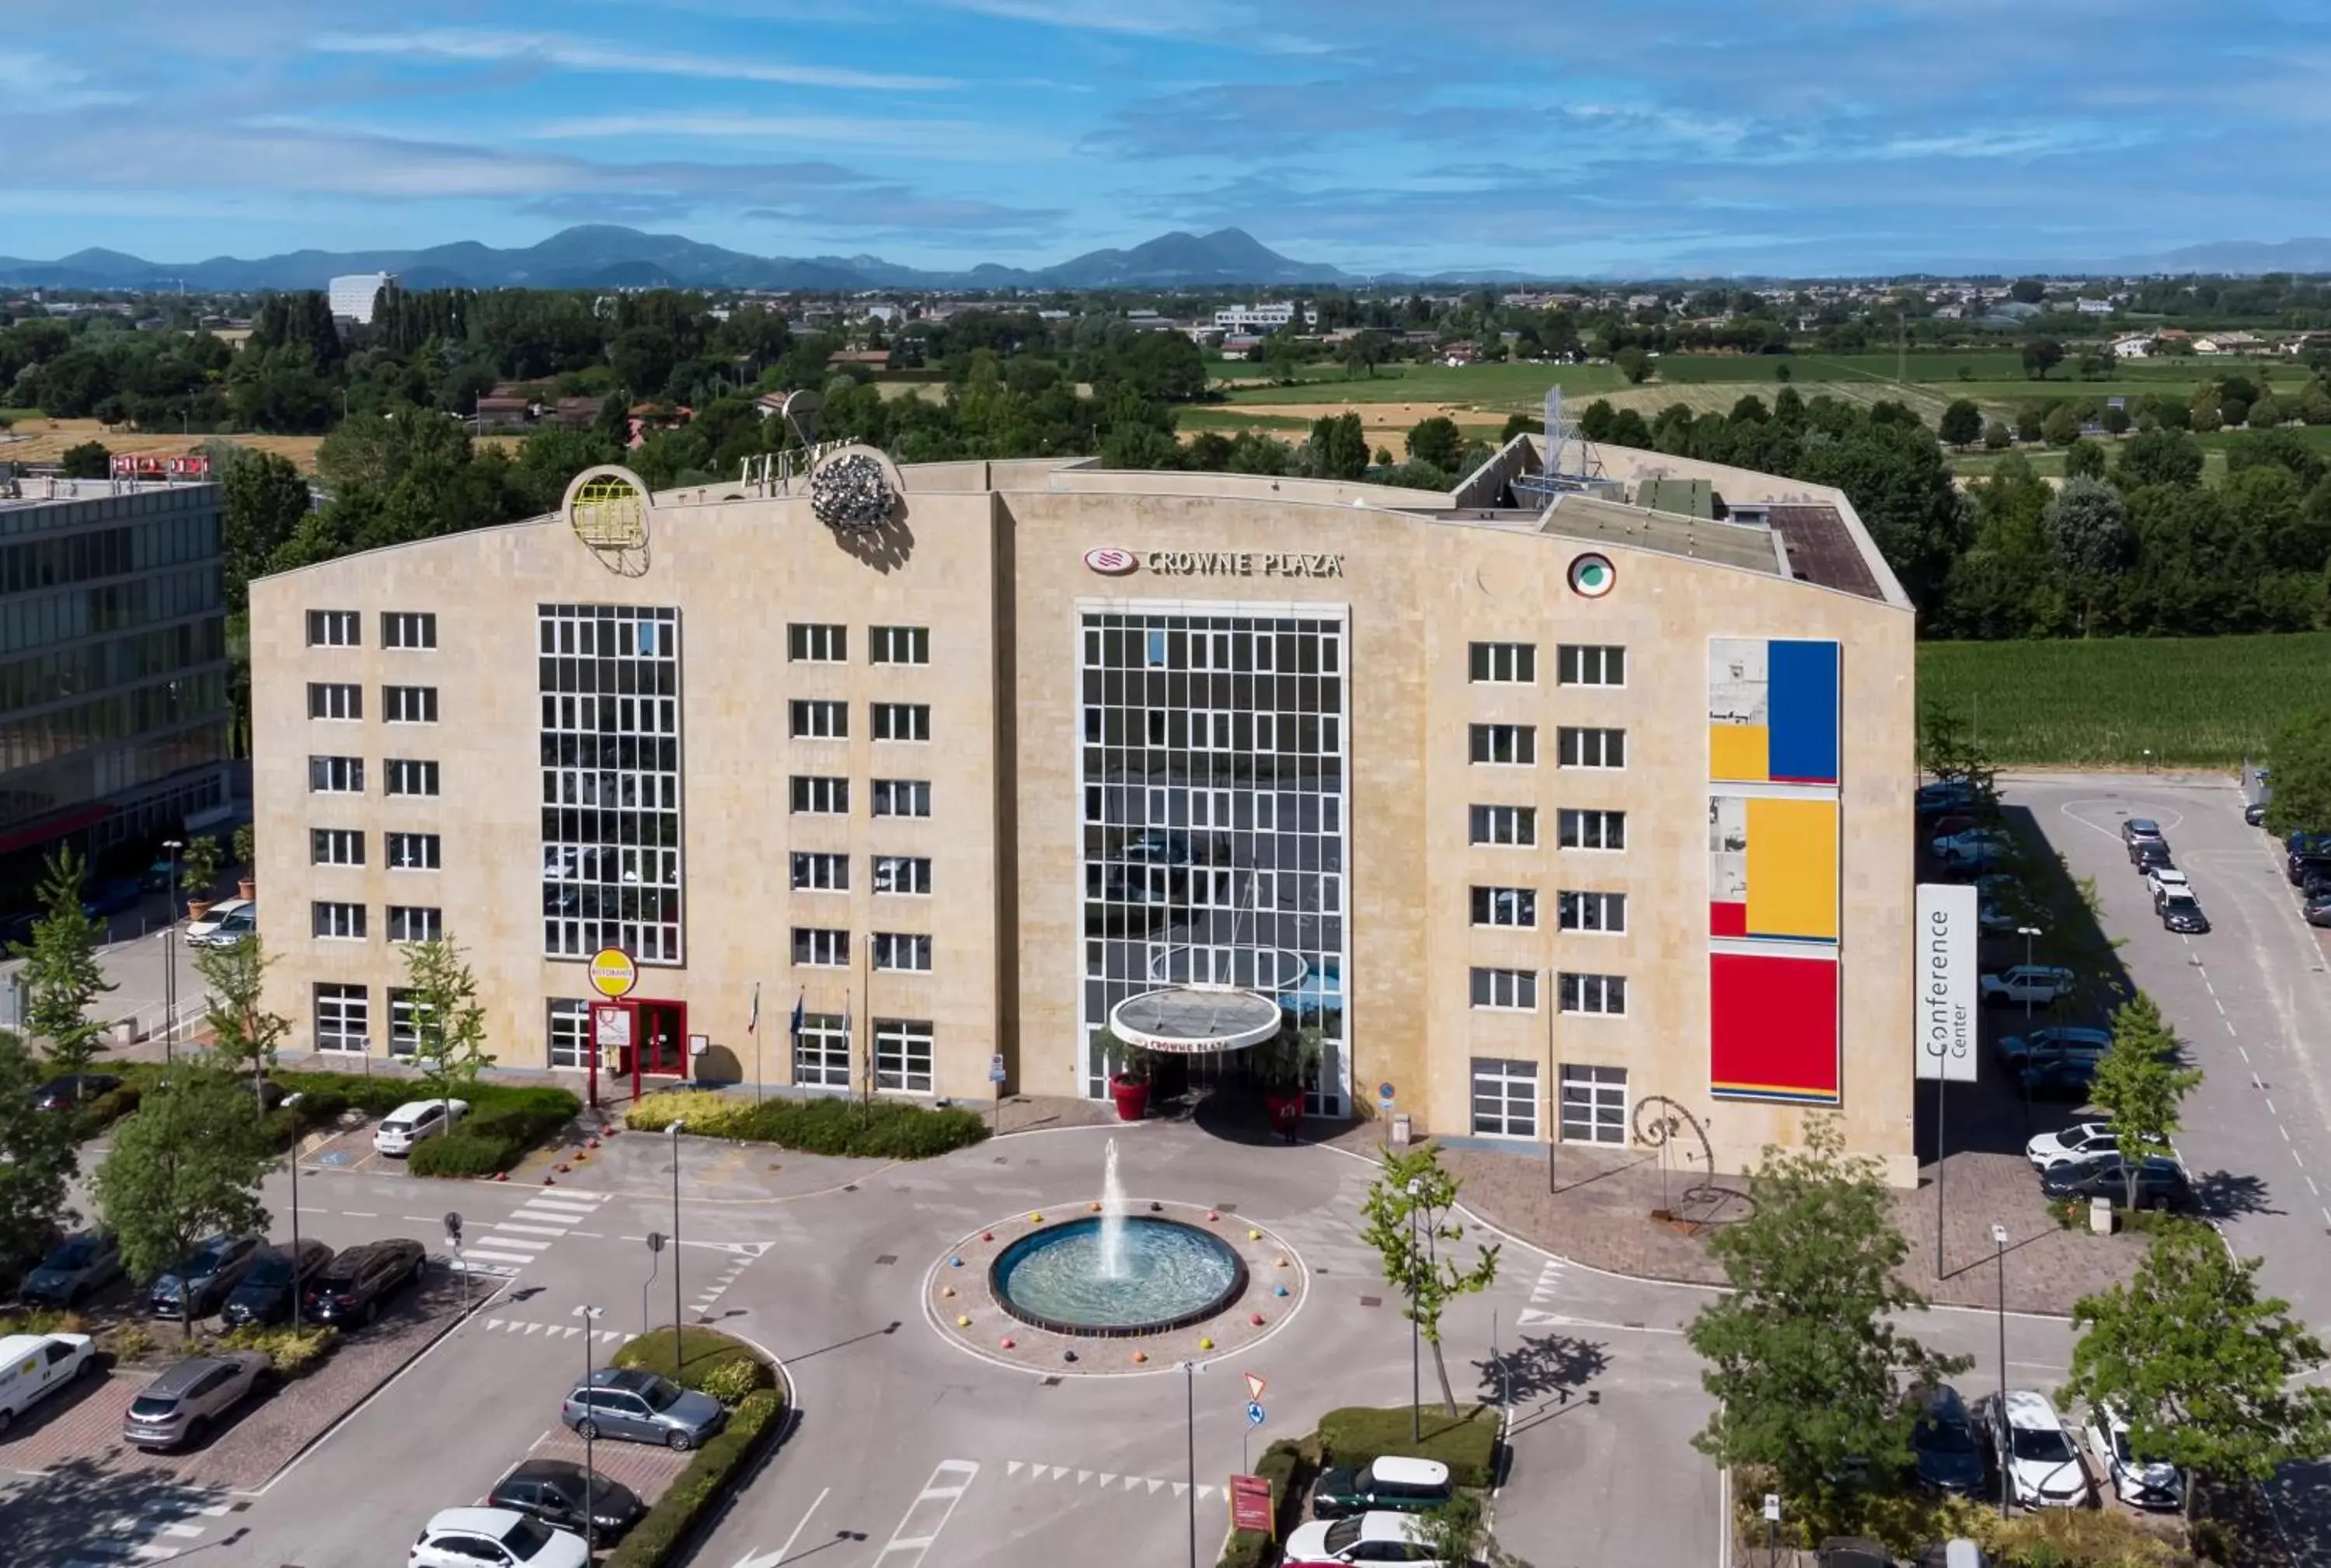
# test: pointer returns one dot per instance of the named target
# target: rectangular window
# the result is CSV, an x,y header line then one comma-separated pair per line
x,y
1504,824
336,847
1592,747
569,1028
1603,995
1504,906
899,645
1508,989
1589,665
343,1018
1605,912
902,721
821,1051
408,776
1594,1104
902,1054
902,797
408,628
335,699
413,851
1512,744
414,923
340,922
902,950
1504,1098
1592,830
820,873
336,776
902,874
409,704
820,720
818,796
405,1017
1504,664
334,628
816,644
821,948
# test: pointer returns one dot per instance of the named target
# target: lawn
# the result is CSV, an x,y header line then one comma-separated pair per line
x,y
2177,702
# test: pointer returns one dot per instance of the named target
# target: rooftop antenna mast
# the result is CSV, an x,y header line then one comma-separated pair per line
x,y
1571,461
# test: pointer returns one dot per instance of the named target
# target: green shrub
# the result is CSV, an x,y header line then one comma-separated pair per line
x,y
1467,1442
1290,1473
41,1321
702,1111
462,1152
883,1129
291,1354
656,1539
94,1117
709,1361
731,1380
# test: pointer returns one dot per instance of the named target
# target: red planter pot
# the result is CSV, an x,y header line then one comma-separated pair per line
x,y
1132,1098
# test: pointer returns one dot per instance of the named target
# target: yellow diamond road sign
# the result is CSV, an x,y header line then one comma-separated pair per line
x,y
612,972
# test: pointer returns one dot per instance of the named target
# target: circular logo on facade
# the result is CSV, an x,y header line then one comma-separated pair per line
x,y
1592,577
614,972
1111,563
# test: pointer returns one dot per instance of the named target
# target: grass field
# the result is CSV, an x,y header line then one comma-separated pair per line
x,y
2189,702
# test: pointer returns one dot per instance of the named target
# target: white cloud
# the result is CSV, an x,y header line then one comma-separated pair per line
x,y
39,82
938,139
574,54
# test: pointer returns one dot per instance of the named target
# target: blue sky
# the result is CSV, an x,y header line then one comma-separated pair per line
x,y
1558,137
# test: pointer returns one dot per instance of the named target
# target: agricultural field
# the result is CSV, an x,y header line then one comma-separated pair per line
x,y
2047,461
2170,702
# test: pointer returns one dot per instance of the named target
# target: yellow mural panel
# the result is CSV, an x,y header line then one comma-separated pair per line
x,y
1792,869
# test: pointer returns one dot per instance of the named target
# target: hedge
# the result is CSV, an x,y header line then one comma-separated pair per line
x,y
702,1353
95,1115
719,1465
879,1129
1290,1472
1467,1442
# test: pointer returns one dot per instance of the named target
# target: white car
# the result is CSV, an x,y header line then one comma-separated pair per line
x,y
2033,1449
224,924
495,1538
2165,883
2077,1142
33,1366
2156,1484
415,1121
1378,1537
2037,983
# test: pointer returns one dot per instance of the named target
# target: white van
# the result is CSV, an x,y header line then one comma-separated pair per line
x,y
34,1365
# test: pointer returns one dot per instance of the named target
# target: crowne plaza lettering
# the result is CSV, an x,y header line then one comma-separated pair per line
x,y
1240,563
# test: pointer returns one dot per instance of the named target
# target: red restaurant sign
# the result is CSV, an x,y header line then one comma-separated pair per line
x,y
1251,1504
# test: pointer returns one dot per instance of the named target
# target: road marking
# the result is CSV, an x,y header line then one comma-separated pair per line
x,y
2313,1191
934,1492
1106,1480
777,1556
521,1259
357,1214
530,1229
2246,1054
520,1243
2269,1105
2284,1131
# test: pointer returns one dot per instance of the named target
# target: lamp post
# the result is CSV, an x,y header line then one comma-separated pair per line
x,y
1415,1334
2028,933
1189,1369
170,958
672,1132
655,1260
590,1316
1999,1249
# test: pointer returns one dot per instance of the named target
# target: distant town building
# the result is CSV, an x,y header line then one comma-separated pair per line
x,y
1268,317
352,294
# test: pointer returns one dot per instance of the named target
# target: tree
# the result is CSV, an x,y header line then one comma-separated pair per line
x,y
2084,458
2061,427
1805,1357
186,1164
92,460
2204,409
61,974
2027,290
1407,1215
2200,1365
449,1026
1437,440
1633,364
245,1035
1339,447
2040,355
199,867
2139,1085
263,498
1997,437
36,1157
1458,1532
1962,423
2160,457
2086,523
2265,413
2300,760
2116,419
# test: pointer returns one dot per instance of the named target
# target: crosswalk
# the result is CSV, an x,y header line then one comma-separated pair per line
x,y
551,1330
162,1526
505,1247
1548,1288
1104,1481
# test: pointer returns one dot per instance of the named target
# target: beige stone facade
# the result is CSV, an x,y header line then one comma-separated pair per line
x,y
996,562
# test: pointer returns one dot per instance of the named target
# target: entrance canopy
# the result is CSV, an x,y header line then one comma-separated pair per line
x,y
1195,1018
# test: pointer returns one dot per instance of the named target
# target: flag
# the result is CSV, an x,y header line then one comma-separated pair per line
x,y
800,1004
753,1019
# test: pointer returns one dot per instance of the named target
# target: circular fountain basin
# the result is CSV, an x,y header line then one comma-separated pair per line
x,y
1175,1275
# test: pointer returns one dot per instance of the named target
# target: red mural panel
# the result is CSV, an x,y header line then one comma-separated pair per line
x,y
1773,1027
1727,919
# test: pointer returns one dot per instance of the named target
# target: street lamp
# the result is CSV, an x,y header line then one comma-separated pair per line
x,y
2027,933
1189,1369
170,958
1415,1335
1999,1249
590,1316
672,1132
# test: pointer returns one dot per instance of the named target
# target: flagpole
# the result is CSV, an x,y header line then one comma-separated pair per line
x,y
756,1032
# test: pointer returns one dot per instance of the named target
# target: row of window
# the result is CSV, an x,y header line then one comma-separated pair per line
x,y
1576,664
820,720
399,704
820,643
903,1047
37,620
343,1018
346,922
345,775
823,795
1515,991
1593,1108
398,629
1216,729
825,947
346,847
820,873
1574,830
42,678
1515,746
1518,906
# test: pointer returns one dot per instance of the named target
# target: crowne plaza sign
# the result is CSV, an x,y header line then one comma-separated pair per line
x,y
1216,562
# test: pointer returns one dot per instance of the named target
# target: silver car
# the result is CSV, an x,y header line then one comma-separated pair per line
x,y
183,1403
621,1401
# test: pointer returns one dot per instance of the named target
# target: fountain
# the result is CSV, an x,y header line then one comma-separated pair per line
x,y
1112,1217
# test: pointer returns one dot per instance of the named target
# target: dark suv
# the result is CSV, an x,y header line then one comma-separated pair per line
x,y
349,1288
195,1287
265,1293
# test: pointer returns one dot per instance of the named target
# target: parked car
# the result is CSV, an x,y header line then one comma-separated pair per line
x,y
2165,882
552,1490
2299,867
1975,846
350,1287
2318,910
1385,1482
78,1267
2038,985
2035,1452
415,1121
2145,854
2307,843
224,924
203,1279
265,1293
2135,831
114,896
623,1402
1380,1538
2081,1140
33,1366
494,1538
181,1406
62,1094
2056,1040
2141,1484
1950,825
2058,1077
2160,1183
2184,915
2314,885
2254,813
1947,794
1996,920
1944,1454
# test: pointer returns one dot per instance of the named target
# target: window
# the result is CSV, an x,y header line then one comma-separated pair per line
x,y
1592,830
819,796
1603,995
343,1017
340,922
409,704
1504,1098
901,950
899,645
1592,911
1505,989
408,628
335,847
821,1051
335,699
902,1054
902,874
1592,747
334,628
821,873
902,797
336,776
410,776
902,721
570,1032
821,946
1504,824
1504,906
405,1015
1505,663
1587,665
820,720
1515,744
1594,1104
413,851
414,923
813,644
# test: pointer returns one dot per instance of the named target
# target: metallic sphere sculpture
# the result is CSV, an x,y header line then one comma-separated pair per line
x,y
852,493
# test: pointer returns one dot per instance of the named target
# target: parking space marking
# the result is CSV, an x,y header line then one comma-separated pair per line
x,y
934,1492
